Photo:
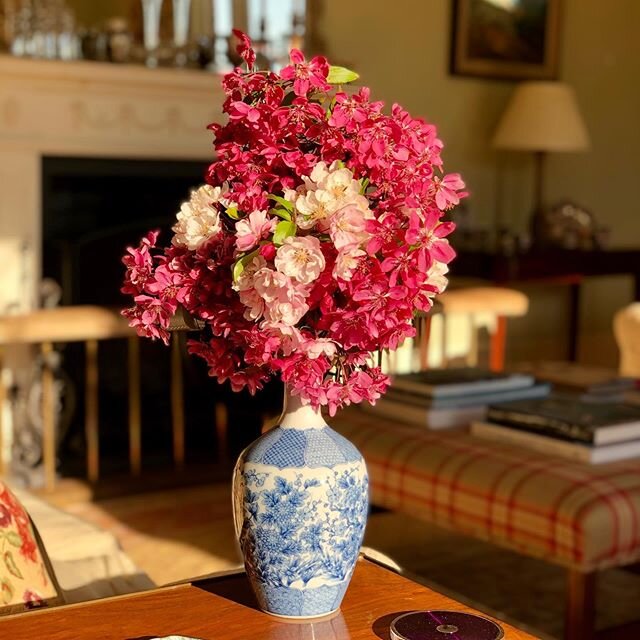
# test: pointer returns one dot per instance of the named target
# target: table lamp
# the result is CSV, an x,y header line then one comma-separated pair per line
x,y
542,117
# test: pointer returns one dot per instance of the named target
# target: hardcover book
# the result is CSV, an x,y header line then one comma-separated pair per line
x,y
569,419
578,451
440,383
485,398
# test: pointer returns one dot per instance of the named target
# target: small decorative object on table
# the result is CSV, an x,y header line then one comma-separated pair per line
x,y
317,239
440,625
568,225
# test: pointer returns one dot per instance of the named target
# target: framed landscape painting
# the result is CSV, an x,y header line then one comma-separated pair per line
x,y
513,39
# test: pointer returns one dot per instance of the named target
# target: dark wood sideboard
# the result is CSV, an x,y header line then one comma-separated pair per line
x,y
551,267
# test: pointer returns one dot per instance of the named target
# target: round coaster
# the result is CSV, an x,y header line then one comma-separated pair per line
x,y
444,625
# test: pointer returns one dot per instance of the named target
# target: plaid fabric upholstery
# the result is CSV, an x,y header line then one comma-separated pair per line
x,y
580,516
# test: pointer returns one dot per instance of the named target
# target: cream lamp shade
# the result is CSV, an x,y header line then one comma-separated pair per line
x,y
542,116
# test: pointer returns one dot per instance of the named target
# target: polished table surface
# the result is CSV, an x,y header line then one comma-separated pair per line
x,y
223,607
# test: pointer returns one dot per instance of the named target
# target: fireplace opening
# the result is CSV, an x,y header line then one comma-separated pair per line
x,y
92,209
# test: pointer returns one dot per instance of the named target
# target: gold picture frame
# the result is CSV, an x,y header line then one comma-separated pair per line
x,y
509,39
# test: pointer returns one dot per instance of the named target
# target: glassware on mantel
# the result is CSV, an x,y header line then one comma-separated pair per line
x,y
181,13
22,30
151,10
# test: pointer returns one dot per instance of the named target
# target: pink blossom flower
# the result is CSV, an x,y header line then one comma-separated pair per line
x,y
254,302
448,191
347,262
139,264
348,228
306,75
251,230
300,259
286,310
244,48
271,285
319,347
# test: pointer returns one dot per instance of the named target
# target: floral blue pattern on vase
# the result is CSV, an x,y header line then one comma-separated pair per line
x,y
300,508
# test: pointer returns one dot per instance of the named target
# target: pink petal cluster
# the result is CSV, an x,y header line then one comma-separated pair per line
x,y
318,237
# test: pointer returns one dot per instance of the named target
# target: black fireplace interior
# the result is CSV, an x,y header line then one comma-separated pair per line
x,y
92,209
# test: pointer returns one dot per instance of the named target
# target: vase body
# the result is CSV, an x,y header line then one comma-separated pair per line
x,y
300,496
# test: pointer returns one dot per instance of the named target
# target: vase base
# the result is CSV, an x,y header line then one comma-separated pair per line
x,y
317,616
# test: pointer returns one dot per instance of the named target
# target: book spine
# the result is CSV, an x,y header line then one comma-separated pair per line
x,y
545,425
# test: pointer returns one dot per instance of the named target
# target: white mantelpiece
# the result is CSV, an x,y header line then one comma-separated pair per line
x,y
51,108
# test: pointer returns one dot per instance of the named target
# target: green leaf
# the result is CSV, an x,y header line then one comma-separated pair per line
x,y
6,591
283,230
364,184
282,202
11,565
341,75
13,538
241,263
281,213
232,212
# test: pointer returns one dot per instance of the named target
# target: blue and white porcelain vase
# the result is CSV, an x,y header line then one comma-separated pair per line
x,y
301,497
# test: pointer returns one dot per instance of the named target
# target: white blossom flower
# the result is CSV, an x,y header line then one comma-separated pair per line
x,y
300,259
198,219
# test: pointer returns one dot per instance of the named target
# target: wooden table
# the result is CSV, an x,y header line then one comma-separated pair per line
x,y
224,608
552,266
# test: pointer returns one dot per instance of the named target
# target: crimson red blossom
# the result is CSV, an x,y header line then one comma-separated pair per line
x,y
318,237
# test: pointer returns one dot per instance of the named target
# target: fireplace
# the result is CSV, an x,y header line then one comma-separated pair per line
x,y
92,209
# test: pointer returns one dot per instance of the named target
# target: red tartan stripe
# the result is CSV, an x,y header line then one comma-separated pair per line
x,y
552,514
388,462
634,542
509,500
464,463
444,509
591,482
628,558
374,461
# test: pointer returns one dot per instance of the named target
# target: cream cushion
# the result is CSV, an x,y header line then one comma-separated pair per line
x,y
87,561
497,301
626,326
64,324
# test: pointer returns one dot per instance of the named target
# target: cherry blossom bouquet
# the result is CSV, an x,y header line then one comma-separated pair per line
x,y
317,239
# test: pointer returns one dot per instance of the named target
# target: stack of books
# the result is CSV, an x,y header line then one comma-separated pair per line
x,y
444,398
567,427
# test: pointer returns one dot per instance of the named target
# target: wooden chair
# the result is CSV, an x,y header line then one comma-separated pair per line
x,y
90,325
460,314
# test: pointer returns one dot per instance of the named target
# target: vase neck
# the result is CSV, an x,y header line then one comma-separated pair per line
x,y
296,415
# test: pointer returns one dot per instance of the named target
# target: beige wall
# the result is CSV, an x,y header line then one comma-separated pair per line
x,y
401,49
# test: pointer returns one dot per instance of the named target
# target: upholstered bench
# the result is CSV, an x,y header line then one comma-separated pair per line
x,y
584,518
